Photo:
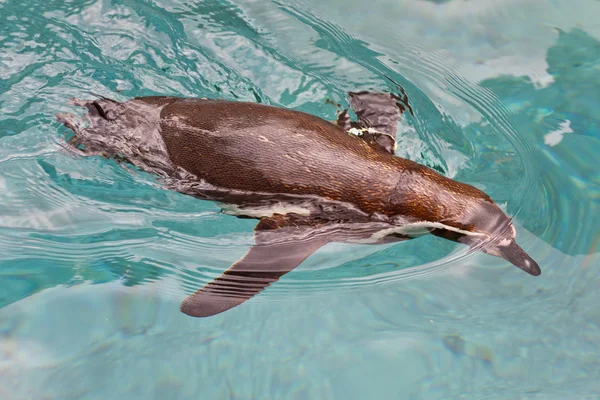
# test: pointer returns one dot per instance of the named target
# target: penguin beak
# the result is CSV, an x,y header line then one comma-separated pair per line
x,y
511,252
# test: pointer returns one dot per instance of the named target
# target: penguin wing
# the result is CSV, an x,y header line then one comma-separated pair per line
x,y
379,141
282,243
378,115
378,111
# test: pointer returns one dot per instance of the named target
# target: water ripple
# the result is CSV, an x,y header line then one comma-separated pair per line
x,y
65,220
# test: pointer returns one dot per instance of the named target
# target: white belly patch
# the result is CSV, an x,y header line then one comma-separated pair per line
x,y
419,228
266,211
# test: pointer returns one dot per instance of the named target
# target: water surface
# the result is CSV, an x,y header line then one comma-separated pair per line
x,y
95,258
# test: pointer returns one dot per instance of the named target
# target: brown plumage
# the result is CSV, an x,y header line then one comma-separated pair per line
x,y
256,156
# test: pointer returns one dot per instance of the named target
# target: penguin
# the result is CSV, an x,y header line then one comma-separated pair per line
x,y
306,180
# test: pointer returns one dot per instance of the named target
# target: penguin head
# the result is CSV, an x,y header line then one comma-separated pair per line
x,y
493,233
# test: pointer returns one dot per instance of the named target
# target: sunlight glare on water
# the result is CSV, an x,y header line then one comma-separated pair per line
x,y
95,258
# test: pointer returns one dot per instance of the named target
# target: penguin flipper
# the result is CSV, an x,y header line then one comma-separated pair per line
x,y
344,121
378,140
282,243
378,115
378,111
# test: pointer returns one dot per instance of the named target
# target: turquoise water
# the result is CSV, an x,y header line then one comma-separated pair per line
x,y
95,258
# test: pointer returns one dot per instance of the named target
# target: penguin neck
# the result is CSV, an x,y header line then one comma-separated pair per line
x,y
422,194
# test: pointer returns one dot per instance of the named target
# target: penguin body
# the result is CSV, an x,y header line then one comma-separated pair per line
x,y
307,180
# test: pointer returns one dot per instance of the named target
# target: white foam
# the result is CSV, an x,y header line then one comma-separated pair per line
x,y
357,132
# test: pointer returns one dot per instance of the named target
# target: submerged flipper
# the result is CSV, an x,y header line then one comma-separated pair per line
x,y
282,243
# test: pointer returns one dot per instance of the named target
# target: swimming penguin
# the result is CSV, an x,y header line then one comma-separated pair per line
x,y
308,181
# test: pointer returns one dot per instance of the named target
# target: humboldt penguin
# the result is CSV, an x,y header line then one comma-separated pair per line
x,y
306,180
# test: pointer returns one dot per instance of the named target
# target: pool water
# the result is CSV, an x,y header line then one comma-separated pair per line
x,y
95,257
